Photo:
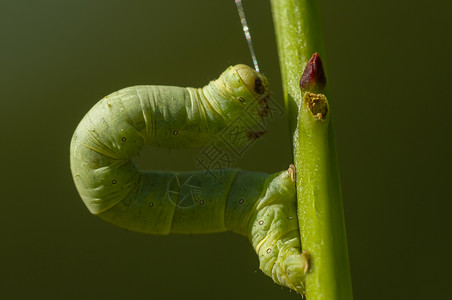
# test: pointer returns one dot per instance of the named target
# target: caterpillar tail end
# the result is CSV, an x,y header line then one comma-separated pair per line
x,y
288,265
290,270
275,235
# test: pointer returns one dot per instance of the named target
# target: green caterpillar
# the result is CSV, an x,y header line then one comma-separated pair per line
x,y
259,206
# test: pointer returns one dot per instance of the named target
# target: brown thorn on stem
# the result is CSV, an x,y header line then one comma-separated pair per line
x,y
292,172
313,78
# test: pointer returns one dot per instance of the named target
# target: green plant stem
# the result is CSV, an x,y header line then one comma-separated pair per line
x,y
298,36
320,211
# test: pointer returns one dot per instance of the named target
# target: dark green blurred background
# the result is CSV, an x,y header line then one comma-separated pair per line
x,y
389,67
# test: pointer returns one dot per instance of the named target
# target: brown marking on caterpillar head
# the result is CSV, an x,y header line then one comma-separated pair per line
x,y
313,78
259,86
264,99
253,135
264,111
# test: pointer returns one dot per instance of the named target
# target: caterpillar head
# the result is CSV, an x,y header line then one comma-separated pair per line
x,y
244,95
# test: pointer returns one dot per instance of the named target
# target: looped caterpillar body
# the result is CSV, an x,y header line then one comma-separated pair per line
x,y
259,206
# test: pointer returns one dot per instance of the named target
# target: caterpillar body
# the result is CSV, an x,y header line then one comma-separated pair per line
x,y
257,205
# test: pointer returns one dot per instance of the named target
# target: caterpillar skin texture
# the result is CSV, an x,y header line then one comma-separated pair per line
x,y
259,206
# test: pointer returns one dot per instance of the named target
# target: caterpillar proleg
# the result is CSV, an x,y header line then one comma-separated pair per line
x,y
257,205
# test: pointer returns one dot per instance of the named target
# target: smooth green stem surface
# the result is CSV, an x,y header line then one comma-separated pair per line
x,y
320,209
298,36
